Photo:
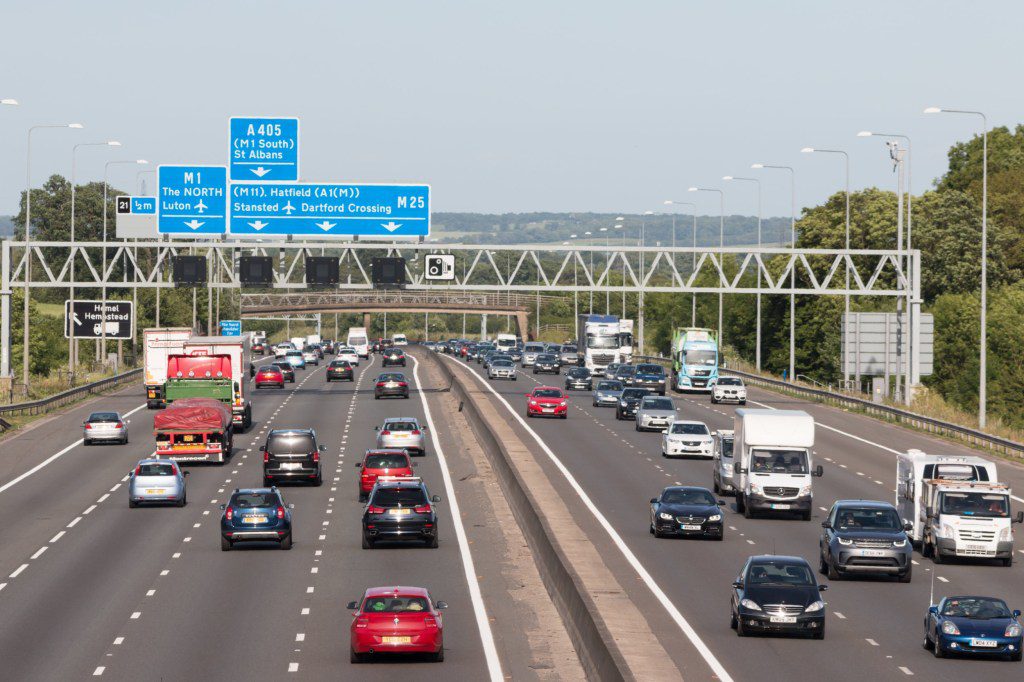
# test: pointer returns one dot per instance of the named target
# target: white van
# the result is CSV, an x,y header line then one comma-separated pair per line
x,y
723,462
399,340
505,342
359,340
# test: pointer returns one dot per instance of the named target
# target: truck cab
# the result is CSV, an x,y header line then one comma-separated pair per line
x,y
773,468
694,359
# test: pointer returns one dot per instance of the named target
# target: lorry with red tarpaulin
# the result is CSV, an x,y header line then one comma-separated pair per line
x,y
194,430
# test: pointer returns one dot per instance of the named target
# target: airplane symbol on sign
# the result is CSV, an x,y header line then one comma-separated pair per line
x,y
288,208
201,206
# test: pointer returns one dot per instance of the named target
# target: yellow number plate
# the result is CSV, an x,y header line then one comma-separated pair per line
x,y
255,519
400,512
396,640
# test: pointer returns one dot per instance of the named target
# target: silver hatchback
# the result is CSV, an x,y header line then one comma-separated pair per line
x,y
655,413
402,433
157,481
104,427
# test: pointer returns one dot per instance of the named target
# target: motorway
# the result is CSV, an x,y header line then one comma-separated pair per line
x,y
874,626
90,588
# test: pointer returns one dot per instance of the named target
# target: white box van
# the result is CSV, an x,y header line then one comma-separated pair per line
x,y
773,469
399,340
359,340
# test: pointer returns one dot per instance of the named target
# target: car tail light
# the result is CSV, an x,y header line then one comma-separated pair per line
x,y
88,426
422,509
266,457
430,622
229,513
380,384
138,470
316,456
402,384
280,512
120,425
376,510
385,432
362,622
415,432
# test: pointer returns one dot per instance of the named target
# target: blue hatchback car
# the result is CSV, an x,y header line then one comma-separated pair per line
x,y
256,515
295,359
973,626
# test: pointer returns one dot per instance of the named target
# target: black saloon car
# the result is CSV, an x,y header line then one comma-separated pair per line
x,y
578,378
393,357
650,376
340,370
687,511
391,384
629,401
777,594
287,370
547,363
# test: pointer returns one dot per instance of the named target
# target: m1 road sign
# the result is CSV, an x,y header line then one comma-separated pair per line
x,y
136,217
86,320
439,267
264,149
192,200
326,209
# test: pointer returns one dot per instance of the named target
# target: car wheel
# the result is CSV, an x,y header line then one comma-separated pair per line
x,y
363,496
740,504
714,484
183,501
367,542
565,416
636,427
286,543
1008,561
833,574
927,643
657,533
937,555
740,631
439,656
353,657
748,513
743,402
732,620
806,516
820,634
432,542
906,577
267,482
132,504
822,566
319,480
937,649
225,544
124,441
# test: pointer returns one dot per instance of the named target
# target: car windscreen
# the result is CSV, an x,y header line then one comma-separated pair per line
x,y
700,357
281,365
291,444
687,497
341,363
602,342
294,353
581,372
873,519
357,340
400,426
729,381
547,393
395,352
979,608
546,357
104,417
347,351
634,393
502,363
625,371
779,573
387,462
156,469
658,404
391,377
569,349
975,504
609,386
396,604
250,500
394,497
690,429
649,369
533,348
779,461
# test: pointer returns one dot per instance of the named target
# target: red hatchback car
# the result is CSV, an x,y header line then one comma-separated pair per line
x,y
397,620
547,401
269,376
384,462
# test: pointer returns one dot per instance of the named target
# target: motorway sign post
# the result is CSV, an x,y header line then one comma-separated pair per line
x,y
86,320
330,209
230,327
192,200
264,149
136,217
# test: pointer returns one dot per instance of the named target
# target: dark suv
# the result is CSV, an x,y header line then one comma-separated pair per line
x,y
629,401
864,537
292,454
256,515
393,356
400,509
650,376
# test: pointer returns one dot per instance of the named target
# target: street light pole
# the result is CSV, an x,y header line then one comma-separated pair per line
x,y
757,352
28,244
587,234
607,291
103,296
5,306
982,378
693,267
575,284
792,272
721,244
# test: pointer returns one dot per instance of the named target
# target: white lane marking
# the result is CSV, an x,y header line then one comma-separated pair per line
x,y
136,615
300,637
871,642
103,498
89,509
314,570
862,440
55,457
839,615
150,593
116,486
309,590
58,536
74,522
39,552
293,667
653,586
164,572
945,580
905,670
480,610
118,641
3,585
18,571
98,671
176,555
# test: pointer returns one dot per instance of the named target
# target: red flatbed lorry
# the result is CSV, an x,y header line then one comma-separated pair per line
x,y
194,430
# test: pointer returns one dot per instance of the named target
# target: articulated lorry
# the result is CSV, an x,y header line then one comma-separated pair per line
x,y
694,359
157,345
597,341
955,506
773,461
194,430
211,367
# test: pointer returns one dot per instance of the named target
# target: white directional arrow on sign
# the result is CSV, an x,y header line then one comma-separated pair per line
x,y
258,225
288,208
325,225
77,319
194,224
261,171
201,206
391,226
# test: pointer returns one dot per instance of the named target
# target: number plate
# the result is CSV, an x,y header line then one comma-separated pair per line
x,y
690,527
400,512
254,519
154,491
188,438
291,465
780,506
984,643
396,640
872,552
548,409
783,619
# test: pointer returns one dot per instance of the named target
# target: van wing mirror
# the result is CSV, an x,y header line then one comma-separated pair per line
x,y
738,584
737,468
824,524
908,527
1020,517
352,605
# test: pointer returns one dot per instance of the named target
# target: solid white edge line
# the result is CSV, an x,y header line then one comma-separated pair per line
x,y
53,458
482,622
653,586
857,438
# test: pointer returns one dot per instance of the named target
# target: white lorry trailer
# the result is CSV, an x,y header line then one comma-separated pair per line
x,y
955,506
773,466
157,344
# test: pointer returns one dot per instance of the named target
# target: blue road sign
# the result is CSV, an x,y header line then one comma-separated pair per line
x,y
325,209
193,199
230,327
264,149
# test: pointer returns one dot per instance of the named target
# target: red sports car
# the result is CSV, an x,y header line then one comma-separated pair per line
x,y
389,462
269,376
396,620
547,401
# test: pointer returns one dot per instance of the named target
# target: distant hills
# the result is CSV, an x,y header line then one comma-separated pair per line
x,y
6,226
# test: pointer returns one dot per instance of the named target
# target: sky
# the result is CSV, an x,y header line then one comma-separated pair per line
x,y
514,106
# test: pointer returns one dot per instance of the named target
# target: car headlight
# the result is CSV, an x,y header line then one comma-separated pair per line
x,y
1005,533
755,488
950,628
623,403
664,516
749,604
805,490
846,542
1013,630
947,530
816,606
715,517
899,543
661,381
562,404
